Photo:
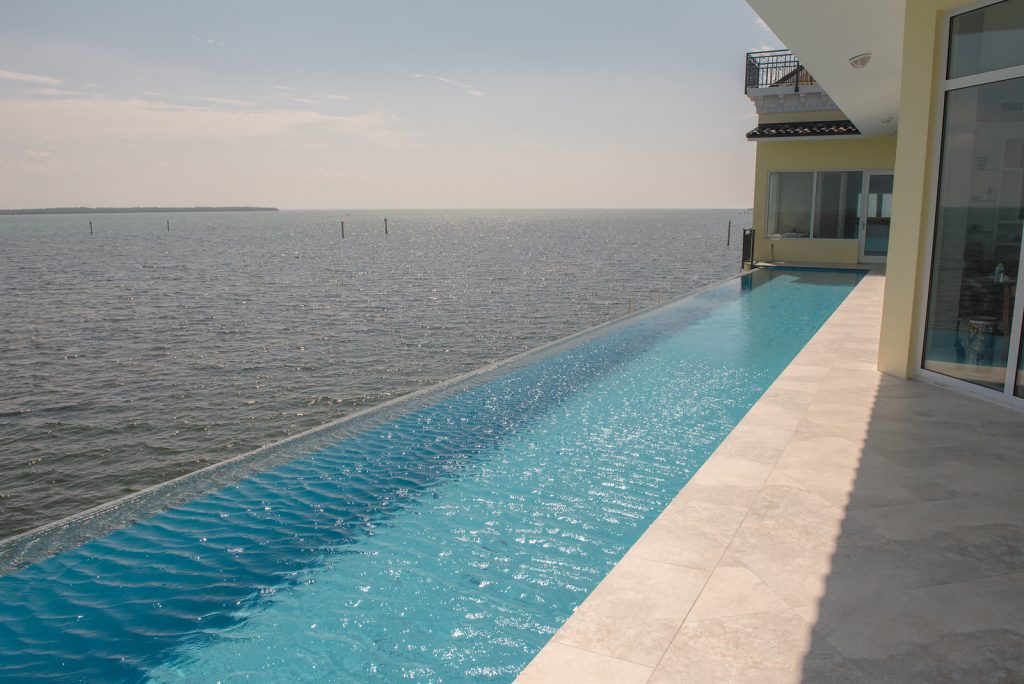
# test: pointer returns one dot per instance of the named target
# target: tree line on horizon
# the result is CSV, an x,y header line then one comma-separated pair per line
x,y
125,210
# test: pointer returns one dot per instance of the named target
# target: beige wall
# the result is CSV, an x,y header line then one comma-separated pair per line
x,y
812,155
913,192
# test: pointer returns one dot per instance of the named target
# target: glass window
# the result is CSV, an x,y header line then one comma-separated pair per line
x,y
979,224
879,215
819,204
851,205
987,39
789,207
829,212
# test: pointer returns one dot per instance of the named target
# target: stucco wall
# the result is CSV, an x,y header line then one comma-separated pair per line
x,y
813,155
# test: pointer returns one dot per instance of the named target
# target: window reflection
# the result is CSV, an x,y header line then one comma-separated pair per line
x,y
879,215
980,220
818,204
789,206
987,39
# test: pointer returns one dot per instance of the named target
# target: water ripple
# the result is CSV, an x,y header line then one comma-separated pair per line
x,y
136,355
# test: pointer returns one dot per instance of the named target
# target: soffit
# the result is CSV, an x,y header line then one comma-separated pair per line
x,y
825,34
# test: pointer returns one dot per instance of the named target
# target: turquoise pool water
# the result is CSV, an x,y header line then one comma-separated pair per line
x,y
441,539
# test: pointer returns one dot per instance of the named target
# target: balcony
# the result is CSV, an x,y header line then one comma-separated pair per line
x,y
776,69
777,83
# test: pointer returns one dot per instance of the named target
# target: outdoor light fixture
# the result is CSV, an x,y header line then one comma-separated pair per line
x,y
860,61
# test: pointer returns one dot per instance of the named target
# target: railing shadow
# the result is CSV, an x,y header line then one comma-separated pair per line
x,y
927,577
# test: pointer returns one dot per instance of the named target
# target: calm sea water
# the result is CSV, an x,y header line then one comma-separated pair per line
x,y
136,354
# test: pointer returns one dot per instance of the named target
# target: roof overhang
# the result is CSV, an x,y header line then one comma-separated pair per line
x,y
804,129
825,35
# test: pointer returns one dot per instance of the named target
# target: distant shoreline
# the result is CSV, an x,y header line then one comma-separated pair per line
x,y
126,210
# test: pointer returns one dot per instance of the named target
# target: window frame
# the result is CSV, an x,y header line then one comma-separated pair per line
x,y
865,174
942,86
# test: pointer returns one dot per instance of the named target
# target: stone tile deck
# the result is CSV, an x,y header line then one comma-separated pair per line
x,y
853,527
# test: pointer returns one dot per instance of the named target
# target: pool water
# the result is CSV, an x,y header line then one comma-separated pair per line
x,y
445,539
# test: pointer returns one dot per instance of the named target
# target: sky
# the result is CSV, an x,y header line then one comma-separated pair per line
x,y
399,104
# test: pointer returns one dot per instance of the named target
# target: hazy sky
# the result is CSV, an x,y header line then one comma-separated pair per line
x,y
330,104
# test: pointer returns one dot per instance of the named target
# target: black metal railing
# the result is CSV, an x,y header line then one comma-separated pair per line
x,y
775,69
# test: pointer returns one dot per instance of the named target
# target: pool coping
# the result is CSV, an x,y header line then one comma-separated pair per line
x,y
681,570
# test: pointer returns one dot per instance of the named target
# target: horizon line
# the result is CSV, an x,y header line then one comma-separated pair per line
x,y
198,207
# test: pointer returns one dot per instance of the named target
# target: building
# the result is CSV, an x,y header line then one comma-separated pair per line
x,y
893,131
823,187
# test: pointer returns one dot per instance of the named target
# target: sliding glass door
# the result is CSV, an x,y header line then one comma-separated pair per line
x,y
877,214
973,322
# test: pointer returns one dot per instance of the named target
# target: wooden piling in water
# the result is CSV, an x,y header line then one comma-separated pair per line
x,y
90,227
385,226
728,234
168,225
342,230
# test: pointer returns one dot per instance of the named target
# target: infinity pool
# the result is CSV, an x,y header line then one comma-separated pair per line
x,y
445,537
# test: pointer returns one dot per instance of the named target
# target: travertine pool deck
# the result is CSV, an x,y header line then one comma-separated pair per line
x,y
853,527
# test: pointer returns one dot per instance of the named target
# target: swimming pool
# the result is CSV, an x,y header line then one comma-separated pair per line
x,y
441,538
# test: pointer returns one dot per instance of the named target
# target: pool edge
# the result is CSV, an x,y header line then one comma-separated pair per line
x,y
629,622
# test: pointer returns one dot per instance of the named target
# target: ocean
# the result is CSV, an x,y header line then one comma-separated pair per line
x,y
137,354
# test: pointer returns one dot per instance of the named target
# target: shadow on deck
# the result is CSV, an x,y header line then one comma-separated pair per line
x,y
927,578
